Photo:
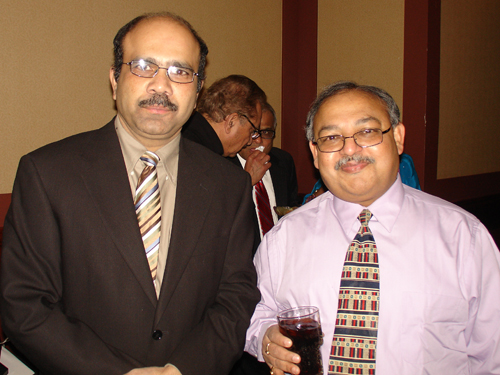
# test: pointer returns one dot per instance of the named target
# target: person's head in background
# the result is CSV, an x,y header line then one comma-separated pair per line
x,y
233,107
268,125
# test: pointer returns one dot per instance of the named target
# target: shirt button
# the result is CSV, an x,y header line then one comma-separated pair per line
x,y
157,335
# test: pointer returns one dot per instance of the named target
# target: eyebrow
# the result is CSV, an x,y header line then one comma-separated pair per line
x,y
359,122
176,63
368,119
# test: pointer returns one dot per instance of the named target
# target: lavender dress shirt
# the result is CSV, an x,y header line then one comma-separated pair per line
x,y
439,280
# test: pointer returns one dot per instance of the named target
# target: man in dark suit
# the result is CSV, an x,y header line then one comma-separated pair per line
x,y
260,156
79,294
276,169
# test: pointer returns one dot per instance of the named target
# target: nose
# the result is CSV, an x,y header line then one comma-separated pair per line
x,y
160,83
258,140
350,147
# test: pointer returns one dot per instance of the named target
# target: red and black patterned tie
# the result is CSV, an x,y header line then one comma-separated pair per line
x,y
264,207
148,209
355,337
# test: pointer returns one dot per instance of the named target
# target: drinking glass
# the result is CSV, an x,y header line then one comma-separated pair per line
x,y
302,325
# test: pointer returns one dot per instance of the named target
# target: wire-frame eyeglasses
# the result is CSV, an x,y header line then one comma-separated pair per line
x,y
147,69
364,138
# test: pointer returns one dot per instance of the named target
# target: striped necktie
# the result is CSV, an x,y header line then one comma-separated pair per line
x,y
148,209
355,337
263,207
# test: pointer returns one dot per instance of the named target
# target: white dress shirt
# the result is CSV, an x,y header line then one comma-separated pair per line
x,y
268,184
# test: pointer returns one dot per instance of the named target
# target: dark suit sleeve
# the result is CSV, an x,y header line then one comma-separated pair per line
x,y
214,345
32,288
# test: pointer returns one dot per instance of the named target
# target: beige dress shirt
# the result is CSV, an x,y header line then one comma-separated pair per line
x,y
166,170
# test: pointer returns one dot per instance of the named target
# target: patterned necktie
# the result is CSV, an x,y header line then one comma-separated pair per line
x,y
264,207
355,337
148,209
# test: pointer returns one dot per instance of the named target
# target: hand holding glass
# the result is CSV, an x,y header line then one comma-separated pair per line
x,y
302,325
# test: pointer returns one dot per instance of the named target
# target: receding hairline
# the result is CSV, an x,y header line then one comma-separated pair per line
x,y
164,18
167,18
364,93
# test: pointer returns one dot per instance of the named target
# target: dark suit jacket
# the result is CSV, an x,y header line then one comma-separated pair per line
x,y
199,130
284,178
77,295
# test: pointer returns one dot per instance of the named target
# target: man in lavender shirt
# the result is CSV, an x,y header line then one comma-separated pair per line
x,y
439,267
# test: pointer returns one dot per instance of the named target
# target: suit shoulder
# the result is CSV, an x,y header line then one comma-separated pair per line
x,y
281,155
74,143
210,160
278,152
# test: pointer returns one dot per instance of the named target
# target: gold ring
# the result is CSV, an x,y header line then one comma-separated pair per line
x,y
267,352
272,367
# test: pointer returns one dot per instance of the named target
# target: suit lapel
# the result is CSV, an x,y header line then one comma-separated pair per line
x,y
105,176
192,201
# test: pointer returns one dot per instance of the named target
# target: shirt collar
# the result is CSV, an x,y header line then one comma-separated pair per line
x,y
132,150
385,210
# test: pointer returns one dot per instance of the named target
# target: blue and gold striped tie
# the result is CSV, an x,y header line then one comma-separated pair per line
x,y
148,209
355,337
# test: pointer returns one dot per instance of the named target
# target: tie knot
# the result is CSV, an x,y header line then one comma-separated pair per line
x,y
364,217
150,158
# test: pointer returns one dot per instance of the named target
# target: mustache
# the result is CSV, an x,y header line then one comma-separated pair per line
x,y
356,158
159,99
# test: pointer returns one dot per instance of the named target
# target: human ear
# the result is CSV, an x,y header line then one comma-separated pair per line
x,y
229,122
314,151
399,137
112,79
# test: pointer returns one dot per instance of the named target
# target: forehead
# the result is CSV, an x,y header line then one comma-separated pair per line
x,y
267,121
161,38
349,107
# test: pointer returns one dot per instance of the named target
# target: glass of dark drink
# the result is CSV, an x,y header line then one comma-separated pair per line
x,y
303,327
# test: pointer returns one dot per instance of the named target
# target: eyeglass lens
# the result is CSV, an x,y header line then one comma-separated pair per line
x,y
148,69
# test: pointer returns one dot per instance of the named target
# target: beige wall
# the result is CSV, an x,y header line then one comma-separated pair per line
x,y
470,88
362,41
59,52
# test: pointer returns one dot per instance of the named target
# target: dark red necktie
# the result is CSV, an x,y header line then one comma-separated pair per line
x,y
264,207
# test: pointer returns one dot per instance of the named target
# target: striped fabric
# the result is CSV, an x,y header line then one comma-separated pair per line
x,y
148,209
355,337
264,207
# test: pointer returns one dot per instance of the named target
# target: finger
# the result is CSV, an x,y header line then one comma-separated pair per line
x,y
274,335
275,371
281,367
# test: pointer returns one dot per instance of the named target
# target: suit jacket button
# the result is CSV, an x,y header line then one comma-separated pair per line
x,y
157,335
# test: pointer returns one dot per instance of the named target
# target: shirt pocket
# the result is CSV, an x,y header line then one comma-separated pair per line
x,y
432,332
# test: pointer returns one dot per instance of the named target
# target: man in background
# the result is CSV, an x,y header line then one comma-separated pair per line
x,y
274,184
406,283
272,171
228,115
129,247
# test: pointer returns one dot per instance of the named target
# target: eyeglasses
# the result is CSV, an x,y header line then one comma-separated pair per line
x,y
364,138
146,69
256,132
267,134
